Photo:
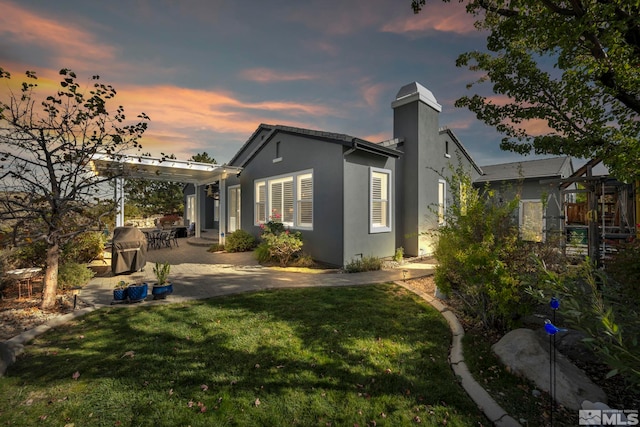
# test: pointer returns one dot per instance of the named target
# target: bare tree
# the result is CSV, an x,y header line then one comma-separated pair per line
x,y
46,145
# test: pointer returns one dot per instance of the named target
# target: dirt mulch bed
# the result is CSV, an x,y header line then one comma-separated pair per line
x,y
21,314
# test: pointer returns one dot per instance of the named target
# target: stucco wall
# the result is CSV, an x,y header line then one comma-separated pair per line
x,y
298,153
358,240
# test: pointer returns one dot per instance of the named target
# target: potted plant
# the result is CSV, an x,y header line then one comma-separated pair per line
x,y
163,287
120,292
137,292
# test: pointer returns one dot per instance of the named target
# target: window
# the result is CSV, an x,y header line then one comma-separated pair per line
x,y
304,200
446,149
278,157
379,204
288,199
532,220
281,200
261,202
442,201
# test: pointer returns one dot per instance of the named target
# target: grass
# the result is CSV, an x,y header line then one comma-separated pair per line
x,y
374,355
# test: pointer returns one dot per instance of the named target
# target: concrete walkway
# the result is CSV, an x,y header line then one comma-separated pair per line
x,y
198,274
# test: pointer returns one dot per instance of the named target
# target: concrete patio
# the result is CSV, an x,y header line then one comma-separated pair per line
x,y
198,274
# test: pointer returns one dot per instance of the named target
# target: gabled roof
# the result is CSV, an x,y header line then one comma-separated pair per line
x,y
463,150
540,168
339,138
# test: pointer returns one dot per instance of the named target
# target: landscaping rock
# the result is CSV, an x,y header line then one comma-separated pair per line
x,y
526,354
571,345
8,352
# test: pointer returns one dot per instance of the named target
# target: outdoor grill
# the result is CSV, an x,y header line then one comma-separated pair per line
x,y
128,250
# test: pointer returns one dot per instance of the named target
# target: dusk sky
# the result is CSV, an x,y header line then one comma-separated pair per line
x,y
209,72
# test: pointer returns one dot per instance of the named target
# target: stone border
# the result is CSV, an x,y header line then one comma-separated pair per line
x,y
13,347
479,395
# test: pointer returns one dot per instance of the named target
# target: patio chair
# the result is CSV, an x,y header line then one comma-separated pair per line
x,y
170,238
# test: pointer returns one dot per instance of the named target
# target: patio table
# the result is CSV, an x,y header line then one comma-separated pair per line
x,y
23,277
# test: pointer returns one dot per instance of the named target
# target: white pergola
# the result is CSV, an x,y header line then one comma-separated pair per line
x,y
124,166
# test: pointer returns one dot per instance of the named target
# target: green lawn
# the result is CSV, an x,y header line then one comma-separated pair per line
x,y
374,355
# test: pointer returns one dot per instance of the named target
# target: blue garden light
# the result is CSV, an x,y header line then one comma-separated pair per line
x,y
551,328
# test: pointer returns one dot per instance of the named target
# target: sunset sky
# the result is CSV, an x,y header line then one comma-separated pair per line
x,y
209,72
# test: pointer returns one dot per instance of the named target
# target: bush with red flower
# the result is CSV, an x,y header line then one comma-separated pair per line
x,y
278,243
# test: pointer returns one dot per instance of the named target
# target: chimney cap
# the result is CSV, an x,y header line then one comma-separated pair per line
x,y
415,92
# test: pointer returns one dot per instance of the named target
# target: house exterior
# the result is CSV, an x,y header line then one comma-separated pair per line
x,y
537,183
350,197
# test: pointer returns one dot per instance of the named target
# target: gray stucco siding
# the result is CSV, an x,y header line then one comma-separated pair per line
x,y
359,241
296,154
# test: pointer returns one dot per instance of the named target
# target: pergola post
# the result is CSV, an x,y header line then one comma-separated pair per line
x,y
119,198
222,222
198,208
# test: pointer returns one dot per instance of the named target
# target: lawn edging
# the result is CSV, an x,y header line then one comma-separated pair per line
x,y
478,394
13,347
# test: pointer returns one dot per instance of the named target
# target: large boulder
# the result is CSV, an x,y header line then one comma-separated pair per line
x,y
526,354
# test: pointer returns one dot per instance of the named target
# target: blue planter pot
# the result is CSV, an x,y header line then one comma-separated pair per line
x,y
120,295
161,292
137,292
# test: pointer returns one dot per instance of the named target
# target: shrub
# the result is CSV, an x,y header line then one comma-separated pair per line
x,y
73,274
84,248
33,254
216,247
262,253
280,244
283,246
399,255
482,262
602,308
239,241
367,263
624,266
303,260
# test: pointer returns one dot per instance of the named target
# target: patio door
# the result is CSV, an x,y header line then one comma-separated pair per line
x,y
234,209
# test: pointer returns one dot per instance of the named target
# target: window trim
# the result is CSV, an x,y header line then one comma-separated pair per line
x,y
293,177
442,202
299,200
256,210
377,228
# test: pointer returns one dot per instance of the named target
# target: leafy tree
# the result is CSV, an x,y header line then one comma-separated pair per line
x,y
573,65
148,197
46,145
203,158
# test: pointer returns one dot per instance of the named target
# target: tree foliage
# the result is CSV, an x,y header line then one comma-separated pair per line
x,y
146,197
46,146
573,65
154,197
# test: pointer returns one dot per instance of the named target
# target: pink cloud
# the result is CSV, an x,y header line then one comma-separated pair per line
x,y
436,16
372,92
71,45
266,75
